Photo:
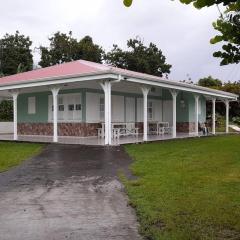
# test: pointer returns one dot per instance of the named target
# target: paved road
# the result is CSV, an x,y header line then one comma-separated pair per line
x,y
67,192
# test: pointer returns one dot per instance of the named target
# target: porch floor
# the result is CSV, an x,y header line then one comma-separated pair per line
x,y
96,140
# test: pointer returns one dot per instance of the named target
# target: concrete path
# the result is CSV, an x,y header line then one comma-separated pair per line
x,y
67,192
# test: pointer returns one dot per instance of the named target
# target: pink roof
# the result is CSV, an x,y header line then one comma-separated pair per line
x,y
60,70
82,67
64,70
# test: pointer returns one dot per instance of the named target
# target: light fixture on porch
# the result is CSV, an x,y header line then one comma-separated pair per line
x,y
182,101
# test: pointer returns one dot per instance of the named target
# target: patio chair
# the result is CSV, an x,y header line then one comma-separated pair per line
x,y
131,129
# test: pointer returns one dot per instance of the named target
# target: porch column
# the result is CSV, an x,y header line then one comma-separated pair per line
x,y
227,115
106,86
55,113
213,115
15,96
145,91
174,128
196,97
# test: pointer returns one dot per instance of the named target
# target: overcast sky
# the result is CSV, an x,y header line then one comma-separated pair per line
x,y
182,32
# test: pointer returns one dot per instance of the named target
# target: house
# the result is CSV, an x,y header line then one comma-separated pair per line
x,y
102,104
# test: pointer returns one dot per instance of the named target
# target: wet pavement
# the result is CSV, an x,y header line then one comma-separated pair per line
x,y
67,192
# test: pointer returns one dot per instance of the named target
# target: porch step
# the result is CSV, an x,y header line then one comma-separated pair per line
x,y
234,127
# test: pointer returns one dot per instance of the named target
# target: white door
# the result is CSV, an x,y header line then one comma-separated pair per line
x,y
130,109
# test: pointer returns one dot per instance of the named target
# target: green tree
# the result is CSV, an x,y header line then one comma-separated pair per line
x,y
15,54
140,58
64,48
210,82
6,110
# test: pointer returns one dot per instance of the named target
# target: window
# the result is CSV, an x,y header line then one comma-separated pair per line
x,y
102,108
31,105
199,107
78,107
69,107
150,110
60,108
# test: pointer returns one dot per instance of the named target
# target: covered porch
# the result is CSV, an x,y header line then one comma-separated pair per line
x,y
109,107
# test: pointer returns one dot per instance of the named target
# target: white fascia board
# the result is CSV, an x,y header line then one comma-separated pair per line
x,y
183,88
57,81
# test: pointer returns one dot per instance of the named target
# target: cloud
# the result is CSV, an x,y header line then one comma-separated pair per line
x,y
182,32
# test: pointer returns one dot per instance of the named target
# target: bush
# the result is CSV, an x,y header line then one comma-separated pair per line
x,y
6,110
236,120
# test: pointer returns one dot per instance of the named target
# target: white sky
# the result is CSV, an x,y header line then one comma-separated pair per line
x,y
182,32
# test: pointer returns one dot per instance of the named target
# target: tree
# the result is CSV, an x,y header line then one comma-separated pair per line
x,y
228,25
140,58
210,82
127,3
6,110
15,54
64,48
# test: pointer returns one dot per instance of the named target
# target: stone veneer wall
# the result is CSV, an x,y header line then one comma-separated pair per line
x,y
185,127
82,129
64,129
139,125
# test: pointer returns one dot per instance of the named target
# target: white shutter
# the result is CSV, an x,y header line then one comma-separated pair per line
x,y
31,105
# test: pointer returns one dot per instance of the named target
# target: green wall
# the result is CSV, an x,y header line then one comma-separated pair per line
x,y
41,114
183,114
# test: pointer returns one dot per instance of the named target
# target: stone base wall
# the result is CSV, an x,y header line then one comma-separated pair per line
x,y
139,125
64,129
82,129
185,127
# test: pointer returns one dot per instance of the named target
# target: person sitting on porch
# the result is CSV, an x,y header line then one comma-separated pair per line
x,y
204,129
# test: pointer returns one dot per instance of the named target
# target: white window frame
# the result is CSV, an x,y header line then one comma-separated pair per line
x,y
31,105
101,108
199,106
66,100
150,106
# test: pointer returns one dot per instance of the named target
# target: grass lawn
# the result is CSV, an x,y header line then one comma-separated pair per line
x,y
12,154
187,189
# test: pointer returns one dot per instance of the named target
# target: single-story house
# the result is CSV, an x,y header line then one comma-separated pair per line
x,y
102,104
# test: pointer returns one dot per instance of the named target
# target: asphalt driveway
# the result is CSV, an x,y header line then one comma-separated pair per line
x,y
67,192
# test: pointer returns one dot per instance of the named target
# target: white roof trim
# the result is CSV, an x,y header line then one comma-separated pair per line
x,y
114,74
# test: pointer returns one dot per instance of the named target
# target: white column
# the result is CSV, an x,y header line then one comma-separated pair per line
x,y
145,91
15,95
106,86
55,113
174,127
227,115
213,115
109,114
196,97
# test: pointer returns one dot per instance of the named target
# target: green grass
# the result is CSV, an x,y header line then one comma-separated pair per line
x,y
187,189
12,154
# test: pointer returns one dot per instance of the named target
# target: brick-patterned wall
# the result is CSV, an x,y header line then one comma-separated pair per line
x,y
82,129
140,126
185,127
35,129
64,129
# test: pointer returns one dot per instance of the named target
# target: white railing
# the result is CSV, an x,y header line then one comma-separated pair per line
x,y
6,127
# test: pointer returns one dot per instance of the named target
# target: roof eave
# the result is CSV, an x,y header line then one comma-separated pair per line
x,y
58,80
152,80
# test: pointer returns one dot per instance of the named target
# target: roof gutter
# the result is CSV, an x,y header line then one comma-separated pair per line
x,y
181,86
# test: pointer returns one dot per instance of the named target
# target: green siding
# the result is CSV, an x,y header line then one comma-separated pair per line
x,y
183,114
41,114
